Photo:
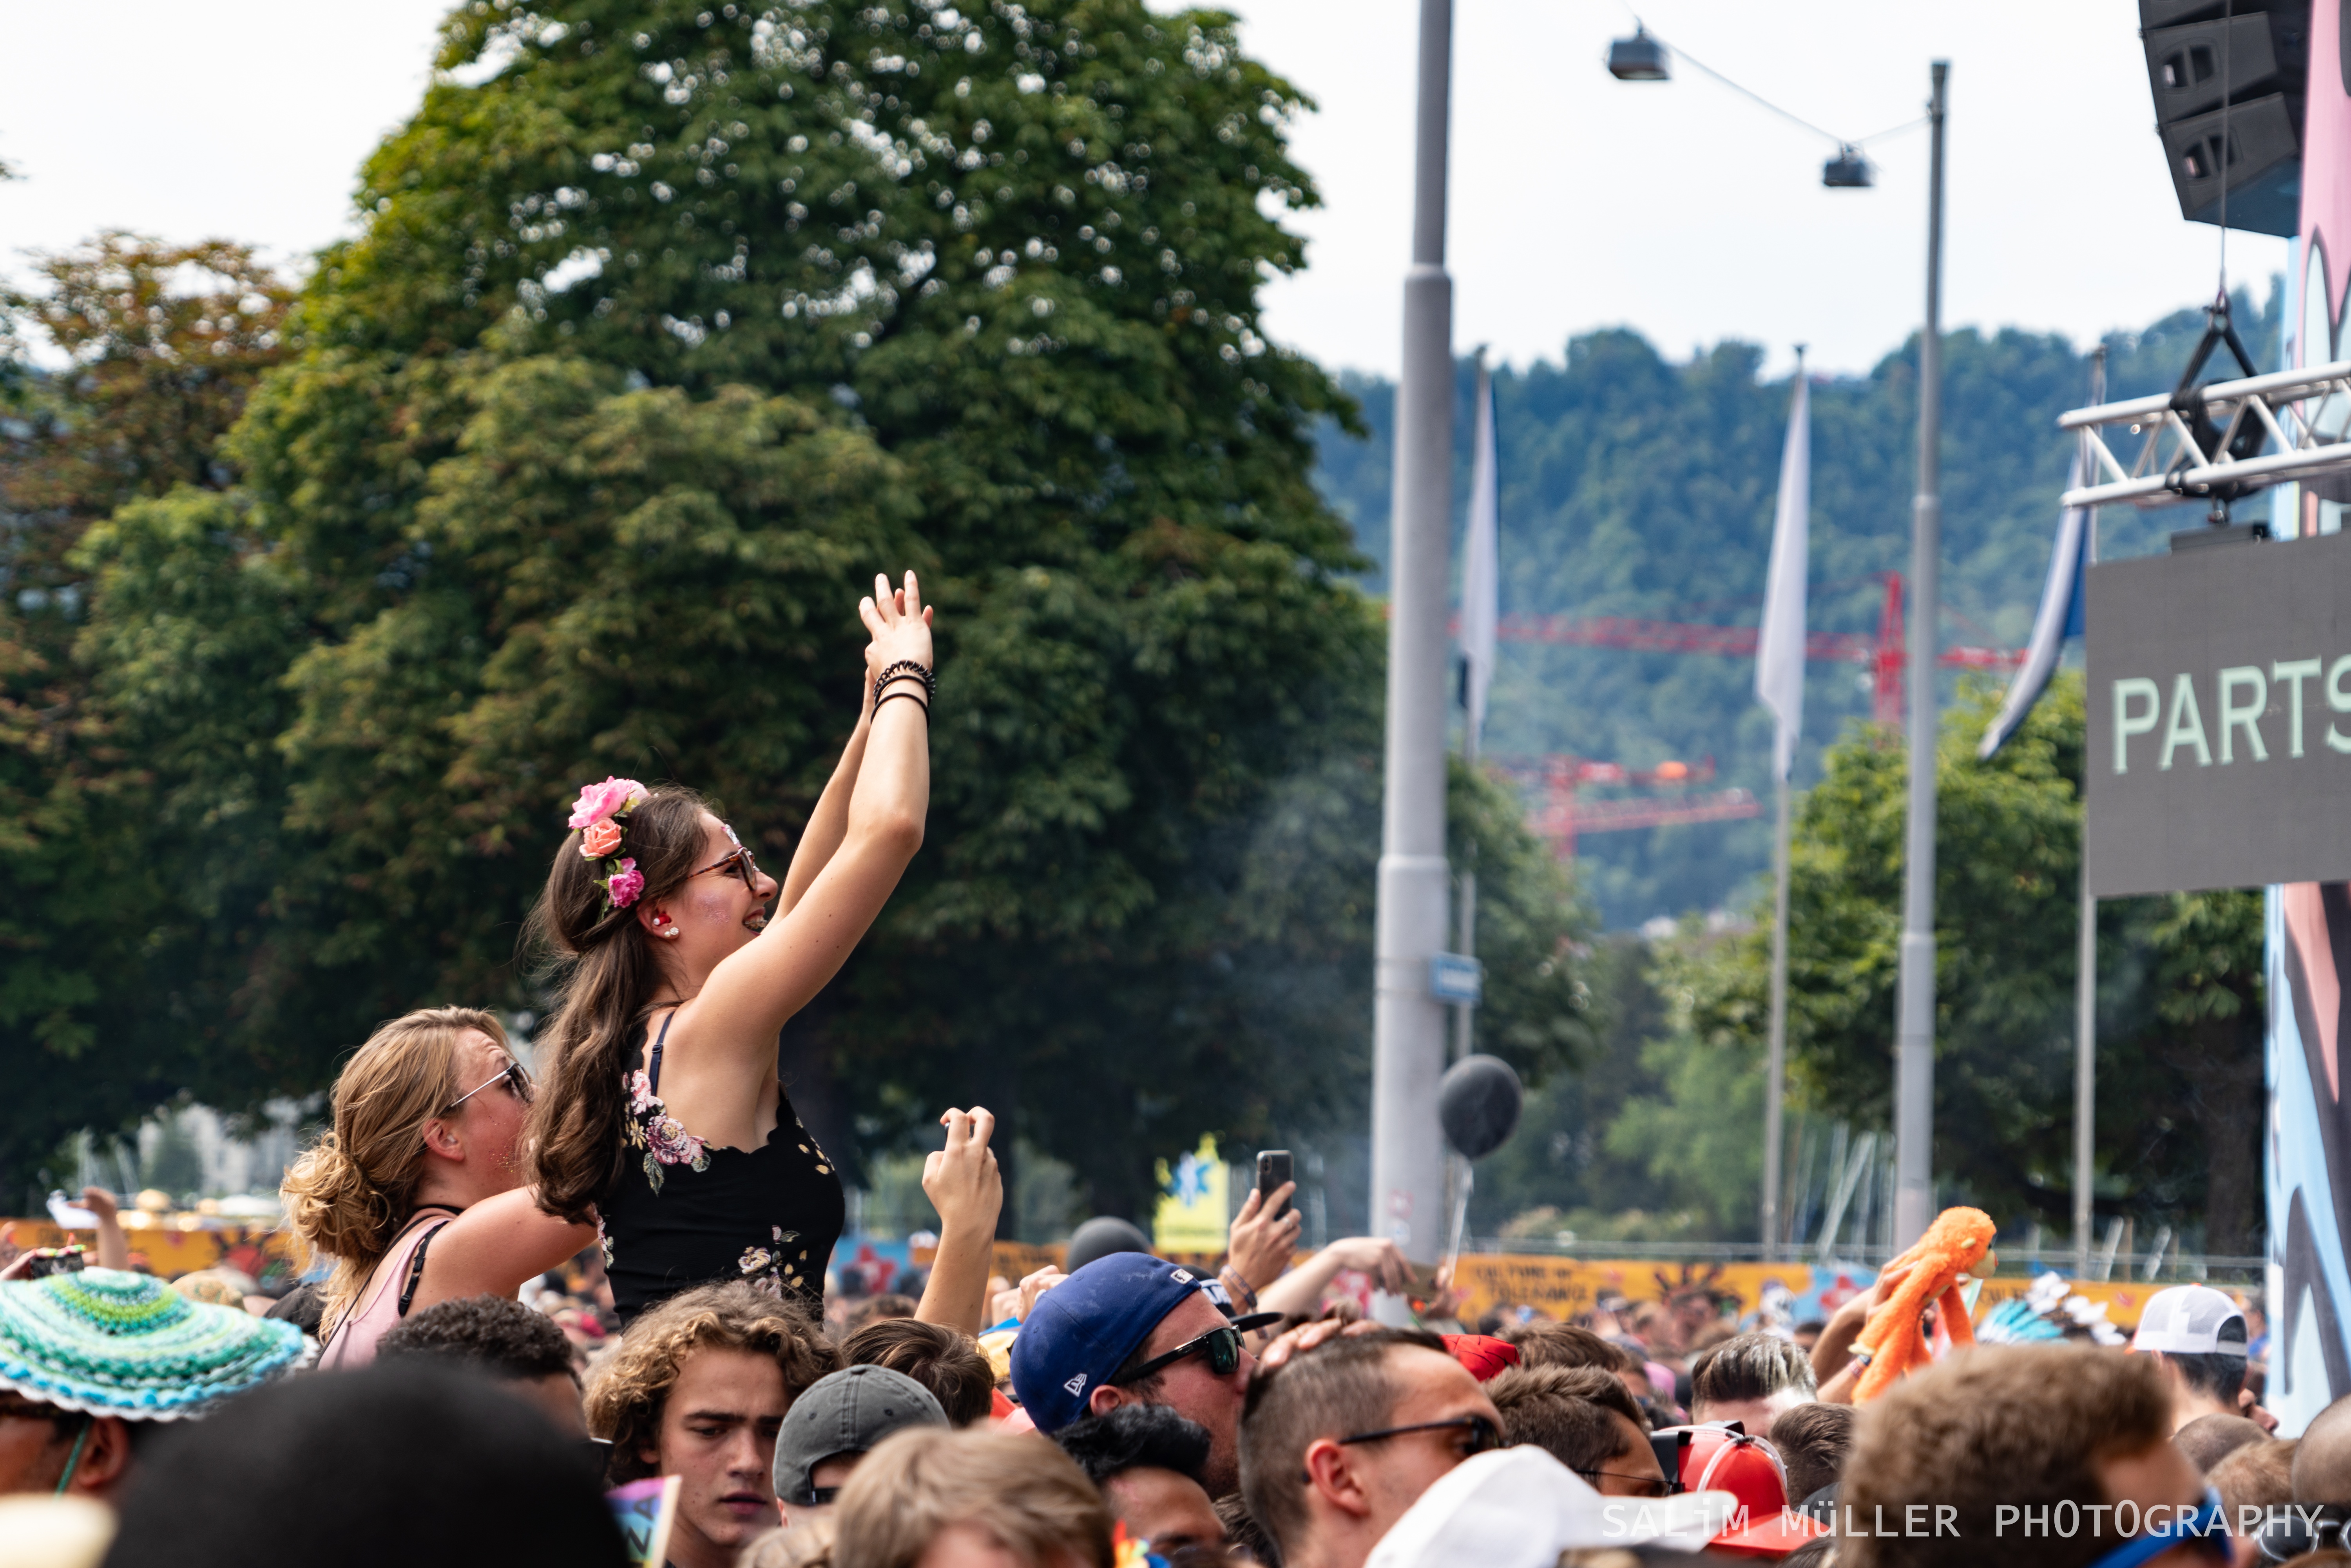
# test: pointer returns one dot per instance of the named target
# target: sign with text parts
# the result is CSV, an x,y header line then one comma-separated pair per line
x,y
1191,1215
2219,710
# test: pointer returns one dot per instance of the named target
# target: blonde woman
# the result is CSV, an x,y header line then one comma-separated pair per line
x,y
417,1194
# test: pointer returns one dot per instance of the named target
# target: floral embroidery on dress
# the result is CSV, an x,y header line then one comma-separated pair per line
x,y
603,1242
811,1147
663,1137
765,1268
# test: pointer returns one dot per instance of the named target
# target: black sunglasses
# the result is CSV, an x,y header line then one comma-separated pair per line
x,y
1483,1437
516,1076
1651,1486
1222,1346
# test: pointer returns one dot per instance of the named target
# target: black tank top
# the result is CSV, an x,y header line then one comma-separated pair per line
x,y
682,1214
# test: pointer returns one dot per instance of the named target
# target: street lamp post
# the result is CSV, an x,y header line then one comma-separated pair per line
x,y
1408,1021
1914,1008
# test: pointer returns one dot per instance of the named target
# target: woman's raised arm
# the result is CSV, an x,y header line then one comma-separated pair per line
x,y
751,993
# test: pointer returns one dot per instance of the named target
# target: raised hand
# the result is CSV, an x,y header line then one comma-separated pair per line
x,y
1256,1247
1377,1256
963,1180
899,623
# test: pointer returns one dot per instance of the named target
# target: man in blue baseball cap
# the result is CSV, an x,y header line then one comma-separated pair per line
x,y
1131,1329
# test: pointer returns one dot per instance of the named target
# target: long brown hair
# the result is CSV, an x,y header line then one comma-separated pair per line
x,y
606,974
349,1194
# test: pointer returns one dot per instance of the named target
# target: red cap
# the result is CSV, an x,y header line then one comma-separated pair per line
x,y
1716,1459
1483,1354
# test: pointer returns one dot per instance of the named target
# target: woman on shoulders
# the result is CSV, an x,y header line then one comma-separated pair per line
x,y
417,1194
664,1118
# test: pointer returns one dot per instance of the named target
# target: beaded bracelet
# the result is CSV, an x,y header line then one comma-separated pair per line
x,y
902,670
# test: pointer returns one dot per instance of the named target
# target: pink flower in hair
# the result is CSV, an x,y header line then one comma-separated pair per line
x,y
597,801
625,884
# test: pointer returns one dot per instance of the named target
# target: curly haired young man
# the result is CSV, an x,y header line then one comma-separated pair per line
x,y
698,1389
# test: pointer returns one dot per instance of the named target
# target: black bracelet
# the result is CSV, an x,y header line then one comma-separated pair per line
x,y
902,670
909,696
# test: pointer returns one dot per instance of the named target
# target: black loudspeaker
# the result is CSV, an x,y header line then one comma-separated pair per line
x,y
2229,81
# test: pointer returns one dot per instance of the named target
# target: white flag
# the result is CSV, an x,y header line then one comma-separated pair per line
x,y
1780,646
1481,568
2060,617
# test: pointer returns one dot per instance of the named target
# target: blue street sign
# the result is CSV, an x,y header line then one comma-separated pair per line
x,y
1455,978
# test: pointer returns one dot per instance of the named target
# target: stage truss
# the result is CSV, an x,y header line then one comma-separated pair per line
x,y
2220,441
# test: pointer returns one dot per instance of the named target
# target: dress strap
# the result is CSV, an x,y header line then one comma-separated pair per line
x,y
653,1078
416,1268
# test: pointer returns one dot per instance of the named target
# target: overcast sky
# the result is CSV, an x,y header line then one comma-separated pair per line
x,y
1678,208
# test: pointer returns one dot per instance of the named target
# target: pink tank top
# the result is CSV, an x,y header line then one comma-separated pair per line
x,y
384,1299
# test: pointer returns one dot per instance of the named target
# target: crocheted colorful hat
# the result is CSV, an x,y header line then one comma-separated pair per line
x,y
110,1344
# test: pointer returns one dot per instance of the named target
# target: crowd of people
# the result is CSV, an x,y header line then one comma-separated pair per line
x,y
547,1306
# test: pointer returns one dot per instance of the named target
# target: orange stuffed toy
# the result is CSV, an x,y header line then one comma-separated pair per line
x,y
1891,1341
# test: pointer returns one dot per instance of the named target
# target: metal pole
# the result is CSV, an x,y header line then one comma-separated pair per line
x,y
1914,1048
1776,1087
1465,1017
1407,1023
2085,973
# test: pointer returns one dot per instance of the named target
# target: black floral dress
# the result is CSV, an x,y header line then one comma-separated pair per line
x,y
682,1214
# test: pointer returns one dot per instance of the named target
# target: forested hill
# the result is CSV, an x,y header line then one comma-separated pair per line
x,y
1632,484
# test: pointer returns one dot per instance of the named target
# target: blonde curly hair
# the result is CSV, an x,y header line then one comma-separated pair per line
x,y
627,1389
349,1194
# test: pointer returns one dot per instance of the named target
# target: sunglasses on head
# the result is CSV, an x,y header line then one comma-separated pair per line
x,y
1222,1346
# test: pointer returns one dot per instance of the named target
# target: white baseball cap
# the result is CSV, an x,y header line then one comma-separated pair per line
x,y
1521,1508
2190,1320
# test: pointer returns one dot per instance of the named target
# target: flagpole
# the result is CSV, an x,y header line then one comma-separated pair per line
x,y
2085,973
1479,592
1775,1091
1775,1088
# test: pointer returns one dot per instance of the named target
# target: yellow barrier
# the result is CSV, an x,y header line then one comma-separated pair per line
x,y
171,1249
1560,1287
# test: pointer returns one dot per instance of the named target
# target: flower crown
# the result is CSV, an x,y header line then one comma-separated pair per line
x,y
601,814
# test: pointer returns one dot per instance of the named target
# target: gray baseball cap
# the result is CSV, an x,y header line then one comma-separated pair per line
x,y
846,1412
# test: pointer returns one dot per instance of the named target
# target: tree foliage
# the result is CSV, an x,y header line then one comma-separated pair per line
x,y
163,344
665,329
1636,484
2180,980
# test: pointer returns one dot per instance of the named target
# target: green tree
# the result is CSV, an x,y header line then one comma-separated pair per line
x,y
2178,984
1614,458
163,344
668,326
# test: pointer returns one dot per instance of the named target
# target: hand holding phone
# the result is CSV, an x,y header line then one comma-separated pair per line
x,y
1273,1168
68,1215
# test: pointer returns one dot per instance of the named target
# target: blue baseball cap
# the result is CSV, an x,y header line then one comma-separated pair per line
x,y
1083,1329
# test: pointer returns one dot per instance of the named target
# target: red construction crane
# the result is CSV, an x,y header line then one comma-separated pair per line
x,y
1561,818
1885,652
